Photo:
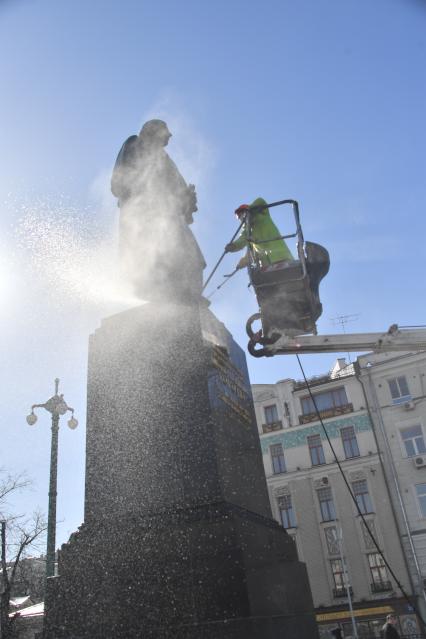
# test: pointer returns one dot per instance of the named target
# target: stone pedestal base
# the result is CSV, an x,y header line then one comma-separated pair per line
x,y
214,572
178,540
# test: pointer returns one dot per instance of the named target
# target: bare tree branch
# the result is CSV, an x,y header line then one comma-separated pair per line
x,y
28,533
11,483
18,536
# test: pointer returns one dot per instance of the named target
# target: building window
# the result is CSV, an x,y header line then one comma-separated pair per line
x,y
350,444
278,461
338,575
324,401
399,389
287,515
421,498
316,450
379,576
413,440
362,496
271,414
325,498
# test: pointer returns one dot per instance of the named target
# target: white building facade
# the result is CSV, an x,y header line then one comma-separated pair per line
x,y
395,389
310,499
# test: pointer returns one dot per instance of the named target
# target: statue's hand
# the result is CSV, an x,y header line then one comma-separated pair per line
x,y
192,198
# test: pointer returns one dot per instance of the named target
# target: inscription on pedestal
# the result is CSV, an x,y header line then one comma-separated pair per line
x,y
228,387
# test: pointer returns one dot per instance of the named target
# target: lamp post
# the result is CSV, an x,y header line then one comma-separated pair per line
x,y
56,406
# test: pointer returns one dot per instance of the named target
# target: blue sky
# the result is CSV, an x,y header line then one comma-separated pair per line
x,y
322,101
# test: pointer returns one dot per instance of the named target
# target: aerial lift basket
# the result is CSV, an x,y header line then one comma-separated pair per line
x,y
287,292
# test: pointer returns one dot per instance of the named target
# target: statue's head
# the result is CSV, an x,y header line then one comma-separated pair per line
x,y
155,132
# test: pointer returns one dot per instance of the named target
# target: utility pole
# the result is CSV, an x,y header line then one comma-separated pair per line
x,y
4,585
346,580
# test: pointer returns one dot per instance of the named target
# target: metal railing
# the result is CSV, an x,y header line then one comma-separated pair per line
x,y
342,592
381,586
271,426
326,413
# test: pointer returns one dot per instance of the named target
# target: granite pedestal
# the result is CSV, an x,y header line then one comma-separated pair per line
x,y
178,539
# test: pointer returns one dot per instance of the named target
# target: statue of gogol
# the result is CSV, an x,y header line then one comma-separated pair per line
x,y
158,252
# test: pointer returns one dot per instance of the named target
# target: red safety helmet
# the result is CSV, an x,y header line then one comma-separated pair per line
x,y
242,209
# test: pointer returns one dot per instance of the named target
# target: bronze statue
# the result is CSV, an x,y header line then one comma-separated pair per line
x,y
158,251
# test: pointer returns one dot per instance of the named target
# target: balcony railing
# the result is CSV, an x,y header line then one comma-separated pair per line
x,y
328,412
342,592
381,586
269,428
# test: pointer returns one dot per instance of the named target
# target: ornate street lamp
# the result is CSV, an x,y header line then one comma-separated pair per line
x,y
56,406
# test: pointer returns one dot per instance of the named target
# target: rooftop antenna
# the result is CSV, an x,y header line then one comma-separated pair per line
x,y
342,320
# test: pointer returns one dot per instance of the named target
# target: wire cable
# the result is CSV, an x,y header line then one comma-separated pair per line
x,y
360,513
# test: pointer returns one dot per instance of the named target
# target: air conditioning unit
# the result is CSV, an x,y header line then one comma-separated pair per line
x,y
324,481
419,461
409,405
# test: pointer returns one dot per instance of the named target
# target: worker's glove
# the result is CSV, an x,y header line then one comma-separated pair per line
x,y
189,204
244,261
228,248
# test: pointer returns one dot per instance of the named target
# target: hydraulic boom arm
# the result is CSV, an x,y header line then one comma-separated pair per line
x,y
395,339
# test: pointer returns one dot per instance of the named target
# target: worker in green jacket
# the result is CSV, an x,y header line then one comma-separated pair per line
x,y
265,238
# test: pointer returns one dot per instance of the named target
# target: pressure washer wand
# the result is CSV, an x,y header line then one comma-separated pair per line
x,y
228,277
223,255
